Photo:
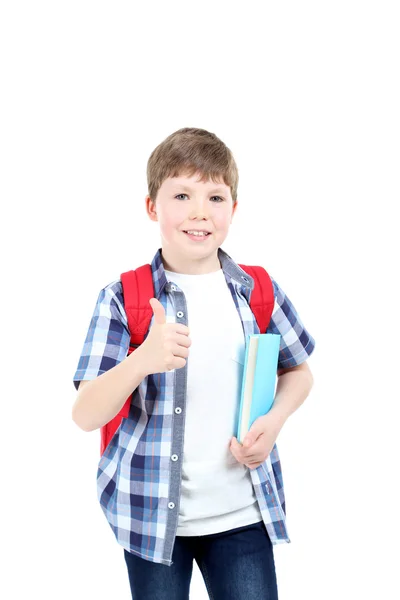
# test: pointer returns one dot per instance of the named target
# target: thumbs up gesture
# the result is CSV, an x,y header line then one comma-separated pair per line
x,y
167,344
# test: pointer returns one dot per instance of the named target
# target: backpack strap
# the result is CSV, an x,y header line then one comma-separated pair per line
x,y
138,289
262,297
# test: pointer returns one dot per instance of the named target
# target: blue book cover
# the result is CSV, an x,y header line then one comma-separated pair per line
x,y
259,379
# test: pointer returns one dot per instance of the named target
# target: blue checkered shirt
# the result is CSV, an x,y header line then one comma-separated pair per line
x,y
138,485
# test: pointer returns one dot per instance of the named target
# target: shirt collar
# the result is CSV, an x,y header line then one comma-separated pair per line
x,y
229,267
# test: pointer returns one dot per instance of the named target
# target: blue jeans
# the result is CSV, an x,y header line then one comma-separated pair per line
x,y
236,565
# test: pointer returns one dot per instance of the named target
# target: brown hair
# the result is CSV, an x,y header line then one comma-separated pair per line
x,y
188,151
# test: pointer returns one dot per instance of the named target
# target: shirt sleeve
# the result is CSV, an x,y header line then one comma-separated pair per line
x,y
296,342
107,339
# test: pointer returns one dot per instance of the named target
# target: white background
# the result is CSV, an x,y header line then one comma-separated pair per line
x,y
306,95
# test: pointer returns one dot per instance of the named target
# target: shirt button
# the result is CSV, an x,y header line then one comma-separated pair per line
x,y
171,505
178,410
174,457
179,314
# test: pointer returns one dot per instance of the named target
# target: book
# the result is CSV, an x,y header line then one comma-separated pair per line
x,y
258,381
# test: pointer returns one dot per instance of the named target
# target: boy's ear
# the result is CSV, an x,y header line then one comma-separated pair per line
x,y
151,208
234,209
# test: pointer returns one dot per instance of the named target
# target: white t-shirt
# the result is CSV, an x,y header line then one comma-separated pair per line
x,y
217,492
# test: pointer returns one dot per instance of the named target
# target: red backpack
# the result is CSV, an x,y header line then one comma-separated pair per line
x,y
138,289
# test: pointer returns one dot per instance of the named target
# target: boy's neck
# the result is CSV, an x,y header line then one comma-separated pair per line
x,y
185,266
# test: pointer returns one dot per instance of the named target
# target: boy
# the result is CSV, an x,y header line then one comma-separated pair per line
x,y
174,484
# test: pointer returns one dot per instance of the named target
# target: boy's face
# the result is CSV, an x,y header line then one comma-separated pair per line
x,y
182,204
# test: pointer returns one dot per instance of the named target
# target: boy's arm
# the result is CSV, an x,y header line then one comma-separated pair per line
x,y
101,399
303,367
292,389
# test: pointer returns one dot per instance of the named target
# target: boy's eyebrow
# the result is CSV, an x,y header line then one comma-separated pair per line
x,y
188,189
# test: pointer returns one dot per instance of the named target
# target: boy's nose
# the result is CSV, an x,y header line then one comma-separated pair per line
x,y
199,212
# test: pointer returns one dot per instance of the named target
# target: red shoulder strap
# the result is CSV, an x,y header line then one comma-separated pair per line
x,y
137,288
262,297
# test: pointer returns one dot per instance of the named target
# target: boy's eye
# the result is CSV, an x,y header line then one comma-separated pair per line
x,y
219,197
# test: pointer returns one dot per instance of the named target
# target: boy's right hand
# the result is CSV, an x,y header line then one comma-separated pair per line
x,y
167,344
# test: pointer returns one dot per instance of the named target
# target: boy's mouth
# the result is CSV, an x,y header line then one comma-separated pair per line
x,y
197,237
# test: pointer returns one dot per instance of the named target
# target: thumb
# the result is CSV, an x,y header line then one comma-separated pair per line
x,y
251,436
248,440
158,310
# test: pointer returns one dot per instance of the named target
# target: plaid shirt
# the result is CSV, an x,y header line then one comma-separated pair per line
x,y
139,476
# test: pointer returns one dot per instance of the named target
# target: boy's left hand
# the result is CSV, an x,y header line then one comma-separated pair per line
x,y
258,442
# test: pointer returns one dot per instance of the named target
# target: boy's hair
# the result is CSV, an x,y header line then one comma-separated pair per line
x,y
188,151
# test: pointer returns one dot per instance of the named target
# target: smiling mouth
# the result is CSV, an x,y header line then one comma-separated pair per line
x,y
199,236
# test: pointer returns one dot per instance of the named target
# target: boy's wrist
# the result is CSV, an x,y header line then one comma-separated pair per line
x,y
280,414
136,357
